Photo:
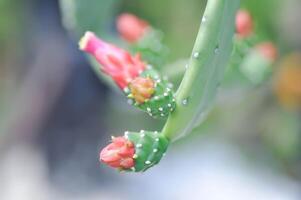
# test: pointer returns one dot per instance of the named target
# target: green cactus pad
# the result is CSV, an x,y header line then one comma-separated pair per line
x,y
162,101
149,148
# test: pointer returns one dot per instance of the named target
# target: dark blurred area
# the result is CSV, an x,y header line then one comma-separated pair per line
x,y
56,114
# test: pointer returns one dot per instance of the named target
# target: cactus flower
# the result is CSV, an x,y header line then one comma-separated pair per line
x,y
131,28
142,89
119,154
244,23
268,50
116,62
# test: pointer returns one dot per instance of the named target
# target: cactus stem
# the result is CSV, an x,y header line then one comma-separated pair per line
x,y
206,66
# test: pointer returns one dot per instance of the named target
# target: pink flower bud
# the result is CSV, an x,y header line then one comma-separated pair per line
x,y
244,23
268,50
131,28
119,154
116,62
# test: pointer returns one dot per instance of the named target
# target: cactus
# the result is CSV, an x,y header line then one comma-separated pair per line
x,y
155,98
134,151
149,148
139,151
205,69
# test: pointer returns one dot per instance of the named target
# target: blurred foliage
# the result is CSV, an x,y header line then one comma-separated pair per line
x,y
94,15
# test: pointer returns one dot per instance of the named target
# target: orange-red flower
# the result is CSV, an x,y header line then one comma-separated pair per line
x,y
119,154
116,62
131,28
244,23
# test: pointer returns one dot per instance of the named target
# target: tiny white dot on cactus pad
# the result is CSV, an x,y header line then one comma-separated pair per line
x,y
158,81
148,109
162,114
135,156
156,97
142,131
160,109
156,132
185,102
196,54
168,89
133,169
169,105
186,66
155,150
139,145
216,50
165,94
142,135
204,19
147,162
157,139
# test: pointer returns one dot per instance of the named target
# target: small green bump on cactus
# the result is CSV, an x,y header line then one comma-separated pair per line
x,y
150,147
196,55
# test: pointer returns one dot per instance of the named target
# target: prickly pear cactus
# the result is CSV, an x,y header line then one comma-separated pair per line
x,y
149,148
149,92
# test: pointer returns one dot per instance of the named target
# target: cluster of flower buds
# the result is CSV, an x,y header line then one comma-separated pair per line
x,y
144,87
140,82
251,56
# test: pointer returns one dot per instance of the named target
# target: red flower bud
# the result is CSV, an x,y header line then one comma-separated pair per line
x,y
142,89
118,154
116,62
268,50
131,28
244,23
